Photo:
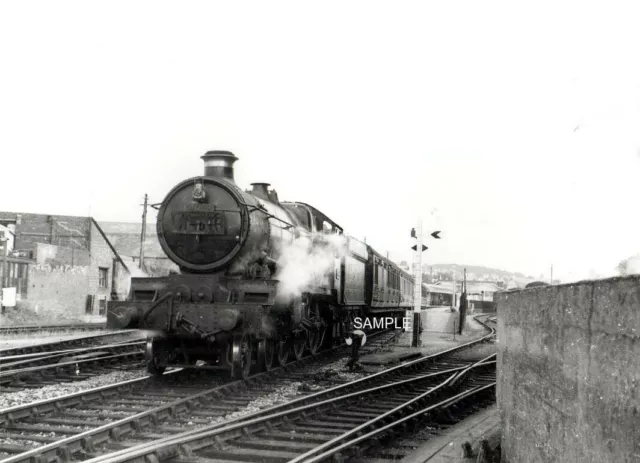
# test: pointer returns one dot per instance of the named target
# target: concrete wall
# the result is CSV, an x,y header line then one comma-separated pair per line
x,y
60,291
569,372
439,320
64,277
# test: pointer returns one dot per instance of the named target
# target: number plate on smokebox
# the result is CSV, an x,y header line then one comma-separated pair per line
x,y
199,223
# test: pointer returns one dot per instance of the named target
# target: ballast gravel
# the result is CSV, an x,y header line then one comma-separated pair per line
x,y
14,399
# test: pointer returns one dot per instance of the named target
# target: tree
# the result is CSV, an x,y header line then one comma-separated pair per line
x,y
629,266
622,267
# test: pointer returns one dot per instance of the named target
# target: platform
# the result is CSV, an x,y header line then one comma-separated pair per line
x,y
437,337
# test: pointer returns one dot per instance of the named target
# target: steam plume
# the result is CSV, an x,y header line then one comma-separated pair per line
x,y
308,261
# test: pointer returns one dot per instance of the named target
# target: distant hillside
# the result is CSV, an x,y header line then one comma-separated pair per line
x,y
446,272
475,269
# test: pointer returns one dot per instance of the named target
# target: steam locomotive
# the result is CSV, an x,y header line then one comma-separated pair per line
x,y
232,306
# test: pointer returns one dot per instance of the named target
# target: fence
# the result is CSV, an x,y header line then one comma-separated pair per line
x,y
15,273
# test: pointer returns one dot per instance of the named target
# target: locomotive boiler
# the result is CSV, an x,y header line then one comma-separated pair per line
x,y
227,307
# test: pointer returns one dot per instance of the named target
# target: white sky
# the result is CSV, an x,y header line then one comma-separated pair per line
x,y
374,112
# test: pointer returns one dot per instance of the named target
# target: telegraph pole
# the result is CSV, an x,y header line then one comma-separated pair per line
x,y
143,234
5,247
453,294
551,282
417,287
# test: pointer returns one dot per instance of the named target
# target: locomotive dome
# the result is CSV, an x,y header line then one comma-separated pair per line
x,y
203,222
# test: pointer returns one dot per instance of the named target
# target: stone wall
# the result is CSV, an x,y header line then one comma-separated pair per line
x,y
569,372
64,278
60,291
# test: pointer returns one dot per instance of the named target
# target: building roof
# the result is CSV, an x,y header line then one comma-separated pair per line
x,y
482,286
436,288
472,287
60,230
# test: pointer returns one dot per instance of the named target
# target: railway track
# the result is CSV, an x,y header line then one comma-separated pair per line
x,y
38,370
339,426
57,328
141,403
380,444
139,412
69,344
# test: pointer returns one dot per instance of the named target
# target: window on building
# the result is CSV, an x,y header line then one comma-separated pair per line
x,y
103,276
89,305
102,306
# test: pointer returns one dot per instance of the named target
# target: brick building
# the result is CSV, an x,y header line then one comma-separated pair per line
x,y
74,269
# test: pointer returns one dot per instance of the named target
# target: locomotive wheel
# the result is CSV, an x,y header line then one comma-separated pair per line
x,y
241,356
298,348
152,358
313,341
266,353
283,349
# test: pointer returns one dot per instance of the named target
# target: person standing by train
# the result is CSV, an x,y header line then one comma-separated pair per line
x,y
355,339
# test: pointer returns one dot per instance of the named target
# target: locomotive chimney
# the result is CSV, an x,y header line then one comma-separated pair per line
x,y
219,164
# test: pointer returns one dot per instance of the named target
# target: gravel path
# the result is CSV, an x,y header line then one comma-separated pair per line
x,y
13,399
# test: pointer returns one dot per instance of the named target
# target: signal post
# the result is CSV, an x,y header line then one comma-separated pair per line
x,y
419,248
